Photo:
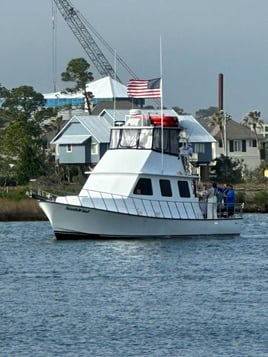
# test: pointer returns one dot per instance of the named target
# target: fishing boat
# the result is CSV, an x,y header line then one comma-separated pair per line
x,y
140,188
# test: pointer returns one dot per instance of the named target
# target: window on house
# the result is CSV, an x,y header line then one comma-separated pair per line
x,y
253,143
237,146
199,148
165,188
94,148
143,187
220,143
184,188
69,148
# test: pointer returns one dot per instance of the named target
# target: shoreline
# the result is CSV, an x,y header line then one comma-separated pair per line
x,y
22,210
27,209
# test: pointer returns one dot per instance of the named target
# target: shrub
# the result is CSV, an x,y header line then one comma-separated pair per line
x,y
261,199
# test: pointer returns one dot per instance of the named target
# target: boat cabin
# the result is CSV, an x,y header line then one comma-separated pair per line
x,y
149,132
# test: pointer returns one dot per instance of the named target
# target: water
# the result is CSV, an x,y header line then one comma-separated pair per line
x,y
177,297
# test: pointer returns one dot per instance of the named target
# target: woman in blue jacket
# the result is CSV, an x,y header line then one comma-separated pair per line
x,y
230,200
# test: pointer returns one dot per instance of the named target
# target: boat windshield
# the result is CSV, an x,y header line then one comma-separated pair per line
x,y
146,138
131,138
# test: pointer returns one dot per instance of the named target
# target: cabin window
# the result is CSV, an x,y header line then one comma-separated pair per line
x,y
170,140
184,188
143,187
69,148
165,188
131,138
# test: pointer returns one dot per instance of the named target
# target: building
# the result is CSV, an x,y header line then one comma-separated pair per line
x,y
83,140
104,90
241,143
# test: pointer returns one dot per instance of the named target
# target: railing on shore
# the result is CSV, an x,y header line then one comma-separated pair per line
x,y
169,209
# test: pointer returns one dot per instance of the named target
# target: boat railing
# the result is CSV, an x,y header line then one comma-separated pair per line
x,y
149,207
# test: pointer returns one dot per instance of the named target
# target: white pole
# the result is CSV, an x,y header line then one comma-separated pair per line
x,y
114,94
225,134
161,106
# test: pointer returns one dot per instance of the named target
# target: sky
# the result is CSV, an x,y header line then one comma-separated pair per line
x,y
199,40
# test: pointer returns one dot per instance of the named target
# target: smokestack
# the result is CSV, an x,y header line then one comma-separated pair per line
x,y
220,91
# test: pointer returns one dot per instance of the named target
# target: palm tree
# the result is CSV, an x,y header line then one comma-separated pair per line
x,y
253,120
218,120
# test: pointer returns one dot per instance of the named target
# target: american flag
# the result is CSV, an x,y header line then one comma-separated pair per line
x,y
141,88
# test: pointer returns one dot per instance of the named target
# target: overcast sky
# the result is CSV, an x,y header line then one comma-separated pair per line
x,y
200,39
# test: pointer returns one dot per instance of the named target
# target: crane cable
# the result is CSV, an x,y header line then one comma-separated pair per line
x,y
108,47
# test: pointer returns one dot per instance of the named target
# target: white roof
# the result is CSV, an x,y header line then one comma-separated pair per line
x,y
107,88
104,88
62,95
195,132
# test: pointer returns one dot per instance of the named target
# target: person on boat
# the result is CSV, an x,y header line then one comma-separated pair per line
x,y
224,190
188,150
230,200
211,201
219,193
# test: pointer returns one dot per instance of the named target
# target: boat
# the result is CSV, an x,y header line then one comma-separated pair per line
x,y
140,188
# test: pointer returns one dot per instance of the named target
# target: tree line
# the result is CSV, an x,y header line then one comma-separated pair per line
x,y
25,123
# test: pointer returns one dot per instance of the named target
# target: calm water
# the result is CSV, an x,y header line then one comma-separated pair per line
x,y
183,297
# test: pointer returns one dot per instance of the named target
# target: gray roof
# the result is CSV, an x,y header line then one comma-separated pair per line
x,y
71,139
95,126
120,104
234,130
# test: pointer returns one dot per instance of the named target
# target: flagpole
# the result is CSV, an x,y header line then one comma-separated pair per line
x,y
115,69
161,106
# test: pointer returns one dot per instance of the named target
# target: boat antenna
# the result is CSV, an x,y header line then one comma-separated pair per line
x,y
161,106
115,83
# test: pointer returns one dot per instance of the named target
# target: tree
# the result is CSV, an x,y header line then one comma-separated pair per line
x,y
24,100
178,110
22,147
78,71
4,92
253,119
21,139
218,120
228,169
206,113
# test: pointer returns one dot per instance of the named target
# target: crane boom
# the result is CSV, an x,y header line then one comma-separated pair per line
x,y
86,40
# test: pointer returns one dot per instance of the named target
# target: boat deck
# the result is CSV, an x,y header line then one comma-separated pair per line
x,y
168,209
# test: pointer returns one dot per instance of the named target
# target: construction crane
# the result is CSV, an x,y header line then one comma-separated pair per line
x,y
79,27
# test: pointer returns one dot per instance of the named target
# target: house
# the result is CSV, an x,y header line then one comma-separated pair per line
x,y
60,99
241,143
83,140
202,143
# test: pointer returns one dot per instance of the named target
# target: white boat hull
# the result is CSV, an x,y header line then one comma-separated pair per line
x,y
69,221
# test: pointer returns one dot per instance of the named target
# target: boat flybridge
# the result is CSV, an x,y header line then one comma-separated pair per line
x,y
139,189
